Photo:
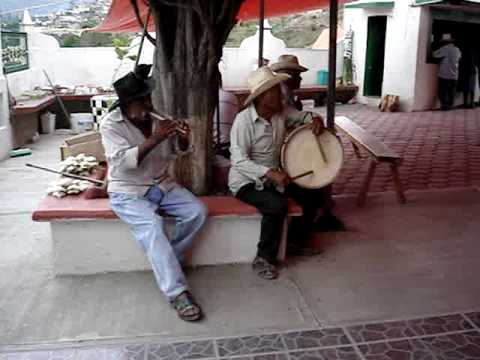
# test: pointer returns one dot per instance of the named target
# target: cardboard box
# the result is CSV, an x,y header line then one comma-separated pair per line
x,y
89,144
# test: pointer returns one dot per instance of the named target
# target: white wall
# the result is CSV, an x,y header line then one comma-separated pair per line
x,y
401,53
237,63
426,83
96,66
5,130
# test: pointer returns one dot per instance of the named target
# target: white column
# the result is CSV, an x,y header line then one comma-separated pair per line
x,y
5,131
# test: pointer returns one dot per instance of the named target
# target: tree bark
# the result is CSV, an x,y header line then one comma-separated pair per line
x,y
190,35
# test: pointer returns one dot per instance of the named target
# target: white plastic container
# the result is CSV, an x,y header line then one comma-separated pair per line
x,y
48,122
81,122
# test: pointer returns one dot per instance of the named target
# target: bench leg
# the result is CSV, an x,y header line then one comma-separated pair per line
x,y
282,249
362,196
398,184
356,150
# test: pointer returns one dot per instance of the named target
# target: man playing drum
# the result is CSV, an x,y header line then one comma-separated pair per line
x,y
256,139
289,64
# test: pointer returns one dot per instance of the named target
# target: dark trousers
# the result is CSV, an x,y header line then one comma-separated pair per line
x,y
446,92
469,84
273,205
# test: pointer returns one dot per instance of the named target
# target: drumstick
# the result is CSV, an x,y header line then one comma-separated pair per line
x,y
302,175
320,147
158,117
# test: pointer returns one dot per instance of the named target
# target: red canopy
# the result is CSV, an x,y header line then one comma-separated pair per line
x,y
121,17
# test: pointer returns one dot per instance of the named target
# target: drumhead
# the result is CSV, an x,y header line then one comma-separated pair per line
x,y
302,152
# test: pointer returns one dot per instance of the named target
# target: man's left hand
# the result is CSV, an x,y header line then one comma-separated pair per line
x,y
183,131
317,125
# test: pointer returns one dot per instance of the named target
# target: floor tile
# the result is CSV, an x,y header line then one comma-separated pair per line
x,y
315,338
184,350
91,354
39,355
250,345
343,353
280,356
475,317
408,328
464,346
129,352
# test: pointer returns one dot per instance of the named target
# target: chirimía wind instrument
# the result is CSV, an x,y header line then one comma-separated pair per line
x,y
181,127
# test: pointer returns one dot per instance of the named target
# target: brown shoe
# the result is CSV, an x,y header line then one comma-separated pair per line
x,y
186,307
264,269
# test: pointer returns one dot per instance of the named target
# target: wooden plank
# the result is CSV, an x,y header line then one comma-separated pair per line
x,y
82,138
363,138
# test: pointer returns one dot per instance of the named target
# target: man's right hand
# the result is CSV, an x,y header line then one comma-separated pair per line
x,y
278,177
163,129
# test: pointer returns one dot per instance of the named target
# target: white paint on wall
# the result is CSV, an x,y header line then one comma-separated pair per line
x,y
426,83
97,66
5,130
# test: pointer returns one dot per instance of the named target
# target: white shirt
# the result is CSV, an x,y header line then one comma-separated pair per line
x,y
121,140
256,145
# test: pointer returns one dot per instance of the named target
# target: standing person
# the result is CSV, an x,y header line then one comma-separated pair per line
x,y
139,153
468,75
326,221
449,56
256,139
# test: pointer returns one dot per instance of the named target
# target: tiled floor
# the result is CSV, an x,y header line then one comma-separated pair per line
x,y
449,337
439,149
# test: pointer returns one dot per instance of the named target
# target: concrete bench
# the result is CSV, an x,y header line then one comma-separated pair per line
x,y
88,238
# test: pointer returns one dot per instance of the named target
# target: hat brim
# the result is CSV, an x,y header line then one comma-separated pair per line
x,y
287,66
140,95
278,79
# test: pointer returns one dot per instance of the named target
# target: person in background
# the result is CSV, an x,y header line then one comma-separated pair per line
x,y
139,153
223,120
322,216
255,176
468,75
449,56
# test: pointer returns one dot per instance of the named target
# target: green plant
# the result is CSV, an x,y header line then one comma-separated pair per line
x,y
122,47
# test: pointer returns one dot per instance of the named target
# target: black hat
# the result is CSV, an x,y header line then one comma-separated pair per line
x,y
133,86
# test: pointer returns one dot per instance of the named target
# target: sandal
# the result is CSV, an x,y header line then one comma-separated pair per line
x,y
186,307
264,269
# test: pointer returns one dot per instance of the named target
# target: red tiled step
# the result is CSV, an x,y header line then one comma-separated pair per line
x,y
76,207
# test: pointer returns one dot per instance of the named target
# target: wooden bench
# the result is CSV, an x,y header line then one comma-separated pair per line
x,y
88,238
378,151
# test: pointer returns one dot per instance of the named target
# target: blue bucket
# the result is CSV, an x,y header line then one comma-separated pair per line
x,y
322,77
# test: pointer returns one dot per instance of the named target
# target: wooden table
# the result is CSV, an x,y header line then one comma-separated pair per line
x,y
26,113
318,93
33,106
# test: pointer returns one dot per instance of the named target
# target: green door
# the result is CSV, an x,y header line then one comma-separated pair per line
x,y
377,26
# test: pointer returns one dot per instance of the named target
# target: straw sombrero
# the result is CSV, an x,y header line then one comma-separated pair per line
x,y
261,80
288,62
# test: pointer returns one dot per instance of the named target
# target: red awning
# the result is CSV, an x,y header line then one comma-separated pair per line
x,y
121,17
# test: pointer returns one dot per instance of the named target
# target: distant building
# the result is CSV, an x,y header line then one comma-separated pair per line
x,y
393,42
392,45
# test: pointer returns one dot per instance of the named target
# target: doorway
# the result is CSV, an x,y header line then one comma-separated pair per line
x,y
375,56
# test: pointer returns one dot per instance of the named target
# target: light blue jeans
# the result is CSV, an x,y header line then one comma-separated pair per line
x,y
144,217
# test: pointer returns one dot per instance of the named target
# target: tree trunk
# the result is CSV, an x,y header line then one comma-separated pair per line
x,y
190,35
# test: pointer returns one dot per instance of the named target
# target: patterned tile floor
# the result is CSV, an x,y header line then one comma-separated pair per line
x,y
440,149
449,337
